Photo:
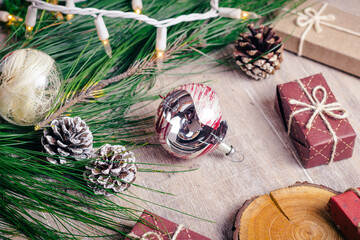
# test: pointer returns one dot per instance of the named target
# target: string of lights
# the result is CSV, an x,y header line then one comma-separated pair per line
x,y
70,10
9,18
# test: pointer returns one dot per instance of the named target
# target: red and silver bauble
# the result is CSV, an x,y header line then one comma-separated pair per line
x,y
188,122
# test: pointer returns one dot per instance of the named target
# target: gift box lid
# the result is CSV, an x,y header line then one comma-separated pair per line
x,y
318,133
327,45
155,227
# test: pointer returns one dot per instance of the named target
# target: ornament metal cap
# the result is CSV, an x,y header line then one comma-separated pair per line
x,y
226,149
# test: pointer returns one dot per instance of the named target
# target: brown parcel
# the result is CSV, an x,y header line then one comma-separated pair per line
x,y
335,48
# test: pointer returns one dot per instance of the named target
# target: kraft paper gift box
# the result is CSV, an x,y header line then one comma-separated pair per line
x,y
323,43
313,118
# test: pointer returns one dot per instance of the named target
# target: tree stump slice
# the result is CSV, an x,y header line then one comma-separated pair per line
x,y
296,212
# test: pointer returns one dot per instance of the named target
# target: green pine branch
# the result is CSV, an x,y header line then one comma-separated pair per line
x,y
101,91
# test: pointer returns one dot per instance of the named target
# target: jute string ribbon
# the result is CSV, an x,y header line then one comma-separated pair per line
x,y
150,234
312,18
318,108
357,192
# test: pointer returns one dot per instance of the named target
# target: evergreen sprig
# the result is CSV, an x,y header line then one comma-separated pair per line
x,y
35,196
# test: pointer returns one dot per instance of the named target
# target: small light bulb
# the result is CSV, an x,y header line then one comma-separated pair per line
x,y
160,46
59,16
28,32
69,17
160,54
244,15
107,46
103,34
30,20
12,18
237,13
137,5
17,19
70,4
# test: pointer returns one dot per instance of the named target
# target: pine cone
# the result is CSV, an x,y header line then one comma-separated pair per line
x,y
68,137
254,46
112,171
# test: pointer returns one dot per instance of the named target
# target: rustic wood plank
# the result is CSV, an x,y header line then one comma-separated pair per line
x,y
219,187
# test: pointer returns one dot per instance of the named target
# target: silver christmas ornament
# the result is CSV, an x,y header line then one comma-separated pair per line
x,y
189,122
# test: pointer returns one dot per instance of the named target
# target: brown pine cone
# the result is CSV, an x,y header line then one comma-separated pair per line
x,y
258,53
113,170
69,138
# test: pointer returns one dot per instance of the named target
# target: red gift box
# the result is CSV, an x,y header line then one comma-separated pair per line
x,y
315,121
151,226
345,211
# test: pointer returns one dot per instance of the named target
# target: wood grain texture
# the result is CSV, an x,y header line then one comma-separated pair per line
x,y
218,189
295,212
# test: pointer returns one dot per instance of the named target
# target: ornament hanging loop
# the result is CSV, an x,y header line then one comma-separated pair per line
x,y
231,152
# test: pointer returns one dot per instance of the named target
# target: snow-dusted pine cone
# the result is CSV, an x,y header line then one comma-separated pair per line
x,y
67,137
254,45
112,171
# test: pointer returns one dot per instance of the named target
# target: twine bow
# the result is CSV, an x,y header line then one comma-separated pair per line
x,y
319,108
145,236
150,234
310,17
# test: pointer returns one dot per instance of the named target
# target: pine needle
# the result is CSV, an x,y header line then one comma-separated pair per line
x,y
37,196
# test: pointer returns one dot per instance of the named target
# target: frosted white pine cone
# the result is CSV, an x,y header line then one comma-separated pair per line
x,y
69,138
113,170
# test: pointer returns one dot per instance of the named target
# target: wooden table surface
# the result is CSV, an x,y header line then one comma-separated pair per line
x,y
219,187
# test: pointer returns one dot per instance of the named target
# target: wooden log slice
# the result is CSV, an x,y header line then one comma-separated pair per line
x,y
296,212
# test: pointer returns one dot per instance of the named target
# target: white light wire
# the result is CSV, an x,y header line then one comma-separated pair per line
x,y
39,4
75,1
161,26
